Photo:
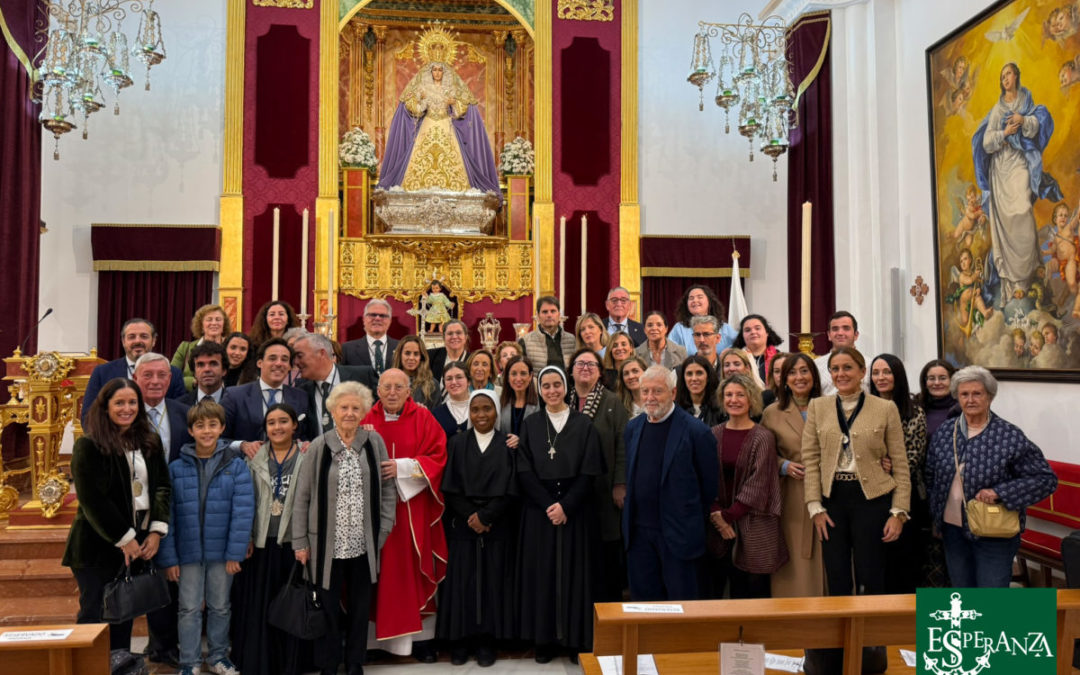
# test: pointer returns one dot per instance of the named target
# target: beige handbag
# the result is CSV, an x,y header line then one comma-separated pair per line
x,y
987,520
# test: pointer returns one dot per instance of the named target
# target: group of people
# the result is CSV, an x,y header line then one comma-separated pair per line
x,y
468,499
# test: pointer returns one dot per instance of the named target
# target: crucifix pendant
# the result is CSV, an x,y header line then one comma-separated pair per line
x,y
551,451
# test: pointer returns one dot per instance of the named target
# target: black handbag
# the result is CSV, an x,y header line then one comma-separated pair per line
x,y
296,609
133,595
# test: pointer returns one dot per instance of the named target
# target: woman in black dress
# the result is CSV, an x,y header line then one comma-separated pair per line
x,y
477,605
696,391
258,648
557,463
453,414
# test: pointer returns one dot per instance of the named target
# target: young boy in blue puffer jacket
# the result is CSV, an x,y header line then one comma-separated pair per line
x,y
213,505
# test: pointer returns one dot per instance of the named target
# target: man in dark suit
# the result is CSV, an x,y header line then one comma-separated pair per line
x,y
671,482
137,336
618,308
153,376
245,405
208,363
376,348
314,356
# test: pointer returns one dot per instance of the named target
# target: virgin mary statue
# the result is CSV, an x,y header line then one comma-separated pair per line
x,y
437,138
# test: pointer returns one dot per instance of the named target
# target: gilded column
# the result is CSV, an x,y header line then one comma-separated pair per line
x,y
543,207
231,206
629,208
502,85
329,94
380,90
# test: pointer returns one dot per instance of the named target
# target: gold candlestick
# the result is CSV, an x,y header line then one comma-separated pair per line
x,y
806,343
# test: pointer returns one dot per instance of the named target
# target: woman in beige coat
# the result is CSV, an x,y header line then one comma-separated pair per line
x,y
803,575
856,506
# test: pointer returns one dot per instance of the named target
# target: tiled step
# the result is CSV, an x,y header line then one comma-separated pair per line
x,y
24,544
35,577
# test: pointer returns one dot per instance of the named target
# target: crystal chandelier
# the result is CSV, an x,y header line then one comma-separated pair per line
x,y
87,53
752,77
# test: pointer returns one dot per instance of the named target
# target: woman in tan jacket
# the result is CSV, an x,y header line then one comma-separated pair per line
x,y
856,506
803,575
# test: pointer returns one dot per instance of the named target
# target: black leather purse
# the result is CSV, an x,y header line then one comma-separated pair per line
x,y
296,609
132,595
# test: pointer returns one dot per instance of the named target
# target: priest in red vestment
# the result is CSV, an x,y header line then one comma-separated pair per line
x,y
414,558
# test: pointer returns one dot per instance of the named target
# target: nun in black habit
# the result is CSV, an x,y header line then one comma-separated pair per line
x,y
477,605
558,460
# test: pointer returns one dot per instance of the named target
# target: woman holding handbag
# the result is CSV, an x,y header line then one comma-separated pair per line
x,y
981,473
124,495
342,514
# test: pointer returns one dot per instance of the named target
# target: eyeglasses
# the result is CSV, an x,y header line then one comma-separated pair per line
x,y
586,365
618,301
702,336
378,316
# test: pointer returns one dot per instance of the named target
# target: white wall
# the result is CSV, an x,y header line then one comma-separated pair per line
x,y
159,161
694,178
883,198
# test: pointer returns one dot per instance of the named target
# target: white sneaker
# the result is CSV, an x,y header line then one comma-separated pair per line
x,y
224,667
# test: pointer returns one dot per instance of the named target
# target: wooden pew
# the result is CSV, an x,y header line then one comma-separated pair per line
x,y
850,622
86,650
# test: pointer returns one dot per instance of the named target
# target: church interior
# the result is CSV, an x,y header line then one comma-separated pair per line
x,y
285,150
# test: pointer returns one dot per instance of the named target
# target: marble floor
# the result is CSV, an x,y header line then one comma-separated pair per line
x,y
515,663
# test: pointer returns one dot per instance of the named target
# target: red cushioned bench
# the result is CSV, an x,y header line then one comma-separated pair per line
x,y
1063,508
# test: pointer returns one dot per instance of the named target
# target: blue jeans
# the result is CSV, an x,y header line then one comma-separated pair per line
x,y
985,562
199,582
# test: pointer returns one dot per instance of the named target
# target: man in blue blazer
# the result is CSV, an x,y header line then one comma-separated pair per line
x,y
319,374
137,336
153,376
245,405
671,482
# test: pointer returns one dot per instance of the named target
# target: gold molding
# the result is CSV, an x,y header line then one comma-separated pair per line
x,y
587,10
707,272
156,266
509,8
629,209
156,225
389,266
694,236
231,204
285,4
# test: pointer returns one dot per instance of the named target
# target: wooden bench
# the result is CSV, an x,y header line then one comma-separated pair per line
x,y
1062,507
86,650
850,622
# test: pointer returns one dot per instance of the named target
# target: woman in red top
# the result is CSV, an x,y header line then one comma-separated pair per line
x,y
747,505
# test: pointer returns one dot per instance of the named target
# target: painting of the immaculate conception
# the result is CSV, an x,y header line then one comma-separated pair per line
x,y
1005,117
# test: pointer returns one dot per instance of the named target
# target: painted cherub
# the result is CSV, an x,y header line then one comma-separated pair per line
x,y
971,308
972,217
1035,343
1062,22
1063,243
438,305
1069,73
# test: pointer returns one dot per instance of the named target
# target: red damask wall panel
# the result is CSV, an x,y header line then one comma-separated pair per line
x,y
586,145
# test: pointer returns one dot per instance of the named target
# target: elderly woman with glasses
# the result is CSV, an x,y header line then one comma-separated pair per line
x,y
978,456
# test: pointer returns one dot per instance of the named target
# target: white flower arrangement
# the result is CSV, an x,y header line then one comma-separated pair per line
x,y
357,150
517,158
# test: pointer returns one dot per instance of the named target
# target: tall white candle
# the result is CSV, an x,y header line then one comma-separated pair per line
x,y
584,249
277,246
330,227
536,258
805,319
303,263
562,259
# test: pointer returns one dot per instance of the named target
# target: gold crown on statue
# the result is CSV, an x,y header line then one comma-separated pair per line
x,y
437,44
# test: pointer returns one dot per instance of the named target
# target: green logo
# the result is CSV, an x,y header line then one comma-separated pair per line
x,y
966,631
